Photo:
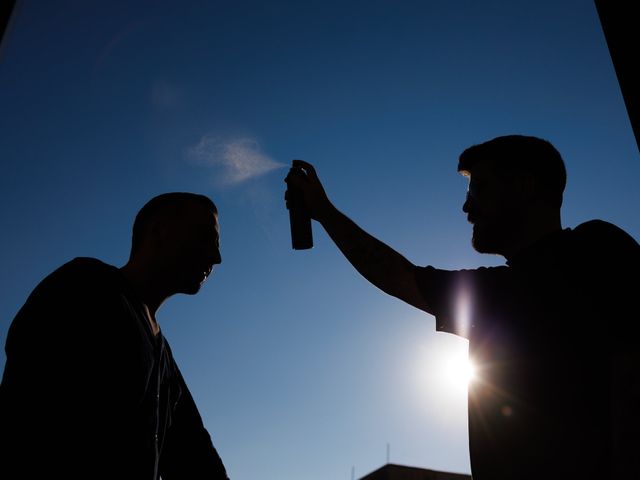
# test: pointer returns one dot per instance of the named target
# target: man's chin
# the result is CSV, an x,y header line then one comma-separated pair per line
x,y
486,245
482,244
477,246
191,288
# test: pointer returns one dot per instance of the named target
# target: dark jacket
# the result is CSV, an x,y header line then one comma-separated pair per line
x,y
89,392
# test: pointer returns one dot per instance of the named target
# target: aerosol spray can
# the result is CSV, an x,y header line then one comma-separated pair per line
x,y
299,218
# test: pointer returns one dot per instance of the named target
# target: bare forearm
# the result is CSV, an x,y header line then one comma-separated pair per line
x,y
377,262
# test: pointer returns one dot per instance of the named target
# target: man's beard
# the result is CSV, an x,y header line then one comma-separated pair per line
x,y
491,240
191,281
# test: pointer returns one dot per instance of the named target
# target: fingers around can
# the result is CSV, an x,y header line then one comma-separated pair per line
x,y
311,171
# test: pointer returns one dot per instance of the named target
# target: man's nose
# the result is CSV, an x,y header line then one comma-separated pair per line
x,y
467,203
216,257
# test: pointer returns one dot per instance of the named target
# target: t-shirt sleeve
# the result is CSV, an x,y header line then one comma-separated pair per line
x,y
438,288
455,297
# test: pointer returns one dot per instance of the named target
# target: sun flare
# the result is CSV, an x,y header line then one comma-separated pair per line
x,y
445,366
459,371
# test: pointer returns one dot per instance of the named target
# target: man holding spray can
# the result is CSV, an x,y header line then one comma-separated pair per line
x,y
552,332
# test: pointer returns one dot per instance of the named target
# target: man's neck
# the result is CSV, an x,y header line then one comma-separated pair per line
x,y
147,290
534,232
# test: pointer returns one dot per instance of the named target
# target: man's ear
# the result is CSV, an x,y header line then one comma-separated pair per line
x,y
528,186
157,233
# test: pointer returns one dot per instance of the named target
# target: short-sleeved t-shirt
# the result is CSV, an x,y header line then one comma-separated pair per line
x,y
545,332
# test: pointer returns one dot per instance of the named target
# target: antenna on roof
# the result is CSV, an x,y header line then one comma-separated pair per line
x,y
353,473
388,452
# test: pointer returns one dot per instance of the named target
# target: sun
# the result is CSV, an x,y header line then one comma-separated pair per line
x,y
444,370
458,370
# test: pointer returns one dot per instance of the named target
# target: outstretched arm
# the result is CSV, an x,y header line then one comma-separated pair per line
x,y
377,262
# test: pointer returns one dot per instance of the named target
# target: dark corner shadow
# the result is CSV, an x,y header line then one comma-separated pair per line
x,y
8,11
619,22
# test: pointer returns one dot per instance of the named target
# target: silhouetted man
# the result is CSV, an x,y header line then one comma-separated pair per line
x,y
90,389
552,333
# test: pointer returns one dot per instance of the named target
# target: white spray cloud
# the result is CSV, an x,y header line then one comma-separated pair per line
x,y
239,158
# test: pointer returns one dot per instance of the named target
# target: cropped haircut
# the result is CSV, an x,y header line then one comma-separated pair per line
x,y
511,155
165,205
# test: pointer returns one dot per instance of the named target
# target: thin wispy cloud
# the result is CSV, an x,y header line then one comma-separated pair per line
x,y
239,159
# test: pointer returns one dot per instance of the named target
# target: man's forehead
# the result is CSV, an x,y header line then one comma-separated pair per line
x,y
196,212
481,173
208,216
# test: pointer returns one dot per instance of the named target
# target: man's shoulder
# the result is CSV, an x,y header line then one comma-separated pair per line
x,y
86,265
601,233
598,226
80,273
603,245
75,291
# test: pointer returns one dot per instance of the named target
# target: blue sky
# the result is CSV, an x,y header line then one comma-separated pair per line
x,y
301,369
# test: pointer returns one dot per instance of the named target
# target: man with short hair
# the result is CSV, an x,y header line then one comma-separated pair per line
x,y
552,333
90,388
